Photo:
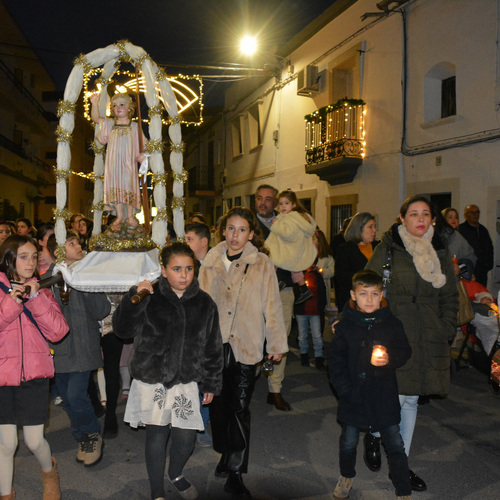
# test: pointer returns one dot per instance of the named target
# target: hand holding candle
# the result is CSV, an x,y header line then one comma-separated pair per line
x,y
379,356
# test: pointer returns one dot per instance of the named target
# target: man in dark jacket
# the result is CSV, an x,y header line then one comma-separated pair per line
x,y
479,239
369,345
265,203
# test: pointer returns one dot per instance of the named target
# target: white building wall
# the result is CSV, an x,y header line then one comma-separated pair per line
x,y
463,33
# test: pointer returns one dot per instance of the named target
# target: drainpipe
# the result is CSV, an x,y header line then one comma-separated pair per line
x,y
362,67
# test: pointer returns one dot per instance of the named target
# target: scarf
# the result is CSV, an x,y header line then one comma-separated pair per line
x,y
424,256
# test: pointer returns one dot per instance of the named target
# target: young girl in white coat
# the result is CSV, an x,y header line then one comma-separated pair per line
x,y
243,283
290,242
28,316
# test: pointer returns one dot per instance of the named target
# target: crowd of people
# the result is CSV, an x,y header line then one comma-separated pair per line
x,y
220,313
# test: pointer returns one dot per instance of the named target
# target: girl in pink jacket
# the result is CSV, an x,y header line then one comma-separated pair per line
x,y
28,318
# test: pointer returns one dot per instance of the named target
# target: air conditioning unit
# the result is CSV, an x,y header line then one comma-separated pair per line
x,y
307,81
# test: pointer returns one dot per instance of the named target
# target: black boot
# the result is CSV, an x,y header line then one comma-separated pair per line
x,y
110,426
221,470
372,452
320,364
235,487
304,359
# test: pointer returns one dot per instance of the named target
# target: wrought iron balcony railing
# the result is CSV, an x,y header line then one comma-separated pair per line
x,y
334,139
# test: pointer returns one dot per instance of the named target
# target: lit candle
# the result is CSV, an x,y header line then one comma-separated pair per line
x,y
378,354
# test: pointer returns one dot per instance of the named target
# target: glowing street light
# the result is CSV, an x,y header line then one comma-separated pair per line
x,y
248,45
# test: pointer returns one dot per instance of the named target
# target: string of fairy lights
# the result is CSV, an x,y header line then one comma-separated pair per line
x,y
186,97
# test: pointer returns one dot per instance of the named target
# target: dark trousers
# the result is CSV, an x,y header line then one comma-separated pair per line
x,y
111,352
230,413
73,388
396,456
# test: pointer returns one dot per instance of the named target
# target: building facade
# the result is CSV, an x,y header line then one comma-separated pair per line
x,y
27,142
417,85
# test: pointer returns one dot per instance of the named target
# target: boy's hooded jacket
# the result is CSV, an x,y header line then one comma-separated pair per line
x,y
24,353
368,395
176,340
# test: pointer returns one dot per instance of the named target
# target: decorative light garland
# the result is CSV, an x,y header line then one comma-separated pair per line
x,y
82,61
162,214
159,178
61,175
178,203
64,213
179,148
98,150
154,145
60,254
180,177
332,107
63,135
123,57
65,107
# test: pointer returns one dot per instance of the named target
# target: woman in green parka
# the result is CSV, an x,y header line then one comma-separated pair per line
x,y
423,295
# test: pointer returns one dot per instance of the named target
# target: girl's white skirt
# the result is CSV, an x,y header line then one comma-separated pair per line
x,y
154,404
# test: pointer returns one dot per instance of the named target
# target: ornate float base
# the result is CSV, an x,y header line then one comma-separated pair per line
x,y
127,238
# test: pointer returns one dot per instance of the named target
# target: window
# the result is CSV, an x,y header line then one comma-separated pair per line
x,y
345,75
236,134
237,201
440,92
254,125
448,97
338,213
306,203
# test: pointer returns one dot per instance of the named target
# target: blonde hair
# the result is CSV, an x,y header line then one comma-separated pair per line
x,y
130,103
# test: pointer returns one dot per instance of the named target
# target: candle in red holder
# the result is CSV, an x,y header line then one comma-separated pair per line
x,y
379,353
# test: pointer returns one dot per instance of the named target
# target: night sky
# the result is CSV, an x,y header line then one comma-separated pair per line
x,y
196,32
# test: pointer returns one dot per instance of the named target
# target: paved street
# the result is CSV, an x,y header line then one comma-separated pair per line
x,y
293,455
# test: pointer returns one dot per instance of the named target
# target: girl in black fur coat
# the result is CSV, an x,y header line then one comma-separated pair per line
x,y
177,354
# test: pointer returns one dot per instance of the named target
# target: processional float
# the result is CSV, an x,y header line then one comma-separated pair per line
x,y
121,259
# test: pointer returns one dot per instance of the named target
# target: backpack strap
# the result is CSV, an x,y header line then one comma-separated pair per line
x,y
387,269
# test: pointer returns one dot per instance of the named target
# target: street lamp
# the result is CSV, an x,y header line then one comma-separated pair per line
x,y
248,45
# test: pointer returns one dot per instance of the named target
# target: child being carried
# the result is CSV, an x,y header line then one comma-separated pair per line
x,y
290,242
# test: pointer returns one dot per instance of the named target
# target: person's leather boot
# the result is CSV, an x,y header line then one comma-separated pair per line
x,y
235,487
372,452
320,363
275,398
221,470
51,488
304,359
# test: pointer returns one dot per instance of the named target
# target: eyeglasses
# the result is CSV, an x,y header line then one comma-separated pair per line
x,y
473,212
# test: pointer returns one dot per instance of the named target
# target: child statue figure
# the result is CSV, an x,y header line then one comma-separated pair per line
x,y
121,180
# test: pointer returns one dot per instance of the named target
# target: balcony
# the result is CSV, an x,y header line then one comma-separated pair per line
x,y
334,141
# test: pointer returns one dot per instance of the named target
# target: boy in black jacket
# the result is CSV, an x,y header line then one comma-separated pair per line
x,y
369,345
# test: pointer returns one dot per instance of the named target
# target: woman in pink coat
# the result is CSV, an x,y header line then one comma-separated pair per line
x,y
28,318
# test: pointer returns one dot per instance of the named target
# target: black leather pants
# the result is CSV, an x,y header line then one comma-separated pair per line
x,y
230,414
